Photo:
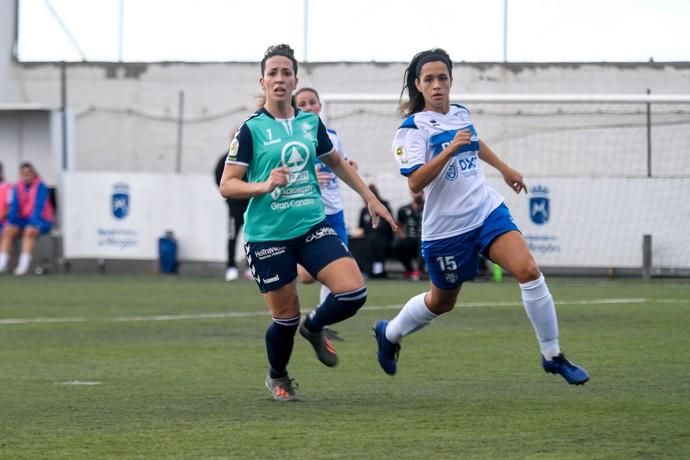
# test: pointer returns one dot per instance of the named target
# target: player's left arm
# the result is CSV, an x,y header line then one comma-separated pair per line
x,y
329,154
511,176
13,211
402,231
345,172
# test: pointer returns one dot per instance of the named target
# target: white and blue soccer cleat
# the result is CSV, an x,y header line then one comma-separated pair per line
x,y
388,351
571,372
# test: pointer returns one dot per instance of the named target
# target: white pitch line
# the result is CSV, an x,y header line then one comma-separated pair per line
x,y
78,382
248,314
43,320
116,319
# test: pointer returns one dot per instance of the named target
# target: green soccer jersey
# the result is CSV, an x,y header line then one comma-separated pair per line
x,y
264,143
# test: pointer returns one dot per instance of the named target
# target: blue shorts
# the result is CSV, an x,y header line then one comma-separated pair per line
x,y
337,221
274,263
452,261
43,226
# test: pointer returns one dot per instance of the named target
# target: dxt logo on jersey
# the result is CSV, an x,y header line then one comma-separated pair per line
x,y
539,205
468,163
119,201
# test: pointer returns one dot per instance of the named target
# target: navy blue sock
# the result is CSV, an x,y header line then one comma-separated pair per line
x,y
336,308
280,337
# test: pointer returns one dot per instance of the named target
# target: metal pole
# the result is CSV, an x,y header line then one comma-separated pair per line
x,y
15,37
180,125
505,30
63,109
120,30
306,30
646,257
65,29
649,136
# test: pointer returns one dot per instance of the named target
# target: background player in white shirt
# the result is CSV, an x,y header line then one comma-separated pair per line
x,y
308,99
438,150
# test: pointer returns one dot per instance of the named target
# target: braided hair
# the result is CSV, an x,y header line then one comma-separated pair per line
x,y
415,102
279,50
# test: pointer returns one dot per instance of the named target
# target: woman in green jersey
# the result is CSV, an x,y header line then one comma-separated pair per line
x,y
276,148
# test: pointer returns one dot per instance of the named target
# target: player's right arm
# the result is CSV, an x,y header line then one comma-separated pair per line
x,y
427,172
239,157
511,176
232,185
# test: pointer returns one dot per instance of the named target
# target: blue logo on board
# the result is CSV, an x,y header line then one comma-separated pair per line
x,y
539,205
119,204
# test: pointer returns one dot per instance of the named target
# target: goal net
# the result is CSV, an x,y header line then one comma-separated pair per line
x,y
601,170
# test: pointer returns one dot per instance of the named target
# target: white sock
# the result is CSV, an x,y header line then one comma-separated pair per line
x,y
23,264
541,311
3,261
413,316
323,293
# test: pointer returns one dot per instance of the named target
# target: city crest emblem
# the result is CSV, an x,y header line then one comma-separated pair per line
x,y
452,171
119,202
539,205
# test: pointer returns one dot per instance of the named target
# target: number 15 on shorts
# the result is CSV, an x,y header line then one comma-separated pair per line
x,y
447,263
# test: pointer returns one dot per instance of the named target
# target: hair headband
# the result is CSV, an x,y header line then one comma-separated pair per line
x,y
431,57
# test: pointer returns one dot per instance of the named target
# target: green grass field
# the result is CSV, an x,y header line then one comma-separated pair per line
x,y
177,368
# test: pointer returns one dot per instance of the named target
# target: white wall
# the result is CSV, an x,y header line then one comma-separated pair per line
x,y
579,230
34,136
600,222
8,92
151,204
125,115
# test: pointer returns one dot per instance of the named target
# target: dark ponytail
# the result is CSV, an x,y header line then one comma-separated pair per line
x,y
415,99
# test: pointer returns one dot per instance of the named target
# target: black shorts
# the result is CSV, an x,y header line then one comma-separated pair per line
x,y
274,263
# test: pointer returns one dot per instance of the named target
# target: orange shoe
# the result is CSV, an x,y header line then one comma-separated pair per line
x,y
322,345
282,389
